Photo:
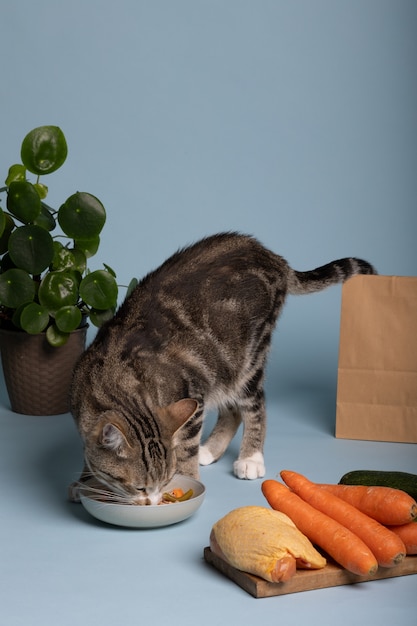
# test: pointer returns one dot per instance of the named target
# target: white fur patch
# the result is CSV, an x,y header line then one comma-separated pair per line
x,y
205,457
250,468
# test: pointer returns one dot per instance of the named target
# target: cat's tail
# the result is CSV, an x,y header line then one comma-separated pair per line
x,y
330,274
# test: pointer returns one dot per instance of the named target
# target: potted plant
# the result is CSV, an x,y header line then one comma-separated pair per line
x,y
47,291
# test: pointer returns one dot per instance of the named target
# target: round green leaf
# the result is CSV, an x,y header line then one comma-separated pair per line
x,y
44,149
63,257
16,288
88,247
110,270
131,287
80,260
56,337
98,318
31,248
68,258
34,318
3,221
58,289
8,227
82,216
7,263
16,172
41,189
68,318
23,201
16,316
99,290
45,219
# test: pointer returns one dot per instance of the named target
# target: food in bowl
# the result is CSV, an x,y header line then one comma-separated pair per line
x,y
150,515
176,495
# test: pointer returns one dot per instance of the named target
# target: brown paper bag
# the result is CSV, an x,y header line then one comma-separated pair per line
x,y
377,374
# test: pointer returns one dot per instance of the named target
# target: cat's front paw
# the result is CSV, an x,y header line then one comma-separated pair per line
x,y
250,468
205,457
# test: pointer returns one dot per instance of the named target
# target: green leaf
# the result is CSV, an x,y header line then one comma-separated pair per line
x,y
3,222
23,201
68,318
34,318
133,283
44,149
4,239
56,337
41,189
16,288
58,289
88,247
80,260
31,248
98,318
7,263
63,257
82,216
16,172
45,219
99,290
68,258
8,227
16,316
110,270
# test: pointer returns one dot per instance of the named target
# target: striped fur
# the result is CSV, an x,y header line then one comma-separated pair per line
x,y
194,335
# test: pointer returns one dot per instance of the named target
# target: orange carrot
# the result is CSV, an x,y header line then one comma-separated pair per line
x,y
408,534
340,543
387,547
388,506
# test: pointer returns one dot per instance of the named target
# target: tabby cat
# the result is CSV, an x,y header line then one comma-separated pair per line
x,y
194,335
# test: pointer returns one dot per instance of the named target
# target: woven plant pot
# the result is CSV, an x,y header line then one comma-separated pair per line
x,y
38,376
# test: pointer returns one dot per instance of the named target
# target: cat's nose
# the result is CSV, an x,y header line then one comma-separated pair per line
x,y
154,497
151,497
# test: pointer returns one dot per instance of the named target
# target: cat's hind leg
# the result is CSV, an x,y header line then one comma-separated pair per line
x,y
222,434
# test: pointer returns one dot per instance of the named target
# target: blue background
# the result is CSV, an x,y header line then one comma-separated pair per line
x,y
293,121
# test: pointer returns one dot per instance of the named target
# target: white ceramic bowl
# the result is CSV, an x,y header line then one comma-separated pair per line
x,y
152,515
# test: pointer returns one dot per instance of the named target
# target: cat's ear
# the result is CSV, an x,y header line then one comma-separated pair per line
x,y
178,413
110,436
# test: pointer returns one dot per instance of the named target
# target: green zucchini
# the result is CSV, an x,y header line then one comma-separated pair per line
x,y
370,478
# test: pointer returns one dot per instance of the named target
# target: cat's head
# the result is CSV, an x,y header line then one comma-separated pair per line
x,y
135,459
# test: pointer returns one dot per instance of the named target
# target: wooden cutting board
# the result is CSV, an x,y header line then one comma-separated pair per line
x,y
305,580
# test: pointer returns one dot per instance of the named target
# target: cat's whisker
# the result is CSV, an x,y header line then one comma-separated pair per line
x,y
102,493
